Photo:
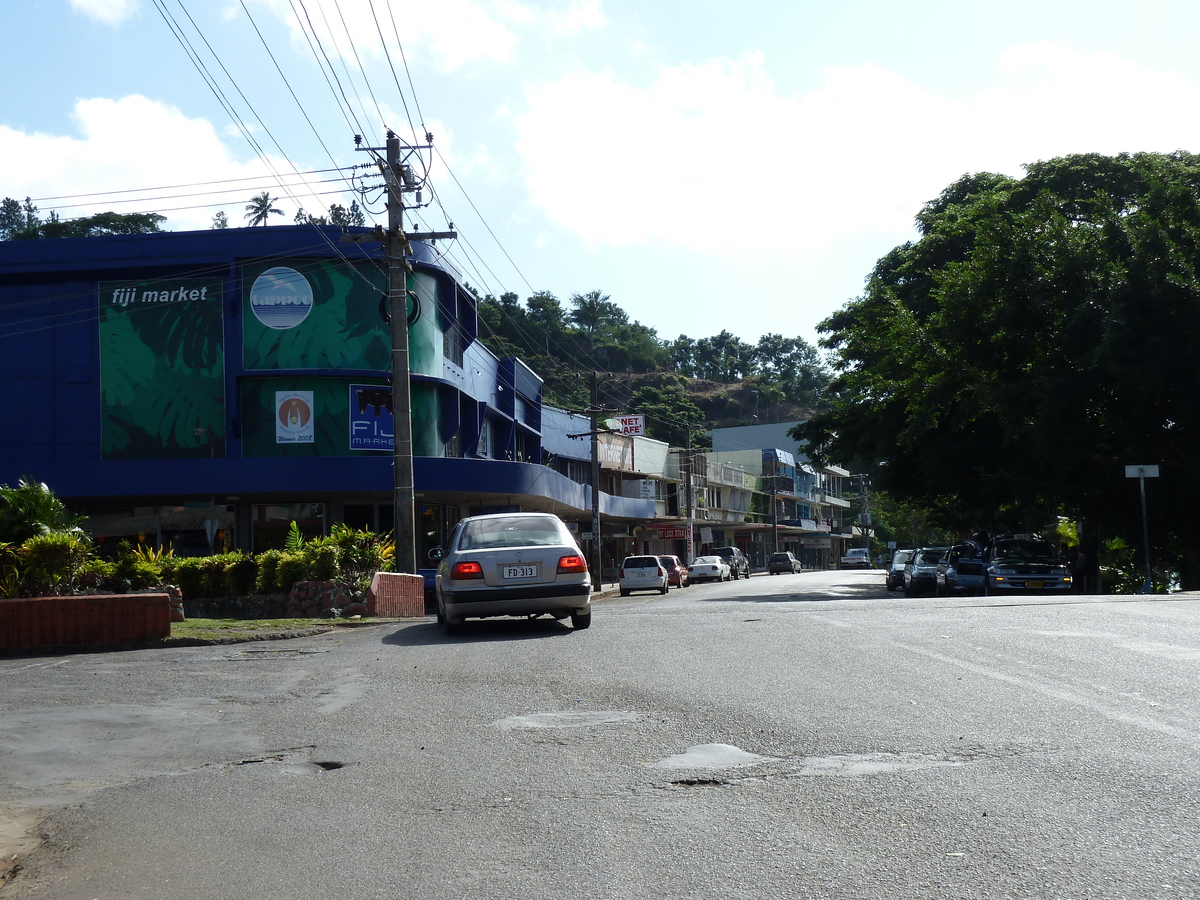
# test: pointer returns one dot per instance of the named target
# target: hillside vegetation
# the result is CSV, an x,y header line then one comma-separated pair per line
x,y
703,383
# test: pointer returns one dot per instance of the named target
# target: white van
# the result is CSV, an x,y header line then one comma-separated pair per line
x,y
856,558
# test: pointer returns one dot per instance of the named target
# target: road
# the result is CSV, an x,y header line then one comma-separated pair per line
x,y
806,735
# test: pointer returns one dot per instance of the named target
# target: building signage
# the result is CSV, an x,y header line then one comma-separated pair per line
x,y
372,425
628,425
281,298
664,533
818,543
294,417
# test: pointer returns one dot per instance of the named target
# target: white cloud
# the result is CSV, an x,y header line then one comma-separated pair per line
x,y
110,12
711,156
137,142
452,33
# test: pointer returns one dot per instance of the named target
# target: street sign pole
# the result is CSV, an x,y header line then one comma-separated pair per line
x,y
1141,473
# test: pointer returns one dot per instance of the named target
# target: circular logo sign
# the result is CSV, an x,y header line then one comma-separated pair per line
x,y
281,298
294,413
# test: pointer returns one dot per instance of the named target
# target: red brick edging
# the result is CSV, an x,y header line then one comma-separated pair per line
x,y
30,622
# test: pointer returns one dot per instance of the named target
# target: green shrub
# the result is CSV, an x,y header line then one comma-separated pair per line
x,y
189,576
134,573
51,560
241,574
293,567
324,560
213,568
96,575
363,554
267,581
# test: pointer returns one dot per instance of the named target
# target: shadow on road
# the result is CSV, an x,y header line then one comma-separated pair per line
x,y
475,630
792,589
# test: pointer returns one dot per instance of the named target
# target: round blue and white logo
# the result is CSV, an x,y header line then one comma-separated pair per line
x,y
281,298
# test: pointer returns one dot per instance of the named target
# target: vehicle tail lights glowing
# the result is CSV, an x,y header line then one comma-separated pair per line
x,y
466,570
572,563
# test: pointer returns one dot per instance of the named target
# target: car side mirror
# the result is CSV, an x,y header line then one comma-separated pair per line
x,y
436,553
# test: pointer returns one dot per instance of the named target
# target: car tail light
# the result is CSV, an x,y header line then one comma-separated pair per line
x,y
575,563
466,570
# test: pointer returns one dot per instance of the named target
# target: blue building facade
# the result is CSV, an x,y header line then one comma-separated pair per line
x,y
206,389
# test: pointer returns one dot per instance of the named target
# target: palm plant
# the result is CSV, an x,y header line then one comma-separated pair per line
x,y
31,508
261,207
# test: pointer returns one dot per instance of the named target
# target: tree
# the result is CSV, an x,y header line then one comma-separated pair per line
x,y
220,221
18,221
260,208
1038,336
102,224
343,217
794,366
595,314
23,222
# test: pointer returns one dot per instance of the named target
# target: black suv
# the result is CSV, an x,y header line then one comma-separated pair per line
x,y
739,566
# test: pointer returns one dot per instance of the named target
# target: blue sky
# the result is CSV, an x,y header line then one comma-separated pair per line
x,y
708,165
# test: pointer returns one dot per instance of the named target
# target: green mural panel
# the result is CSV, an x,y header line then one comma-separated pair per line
x,y
425,340
313,314
162,363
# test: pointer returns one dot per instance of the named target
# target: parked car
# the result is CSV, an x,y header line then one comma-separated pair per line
x,y
709,568
894,578
512,564
642,573
961,570
677,573
781,562
920,572
856,558
739,565
1024,563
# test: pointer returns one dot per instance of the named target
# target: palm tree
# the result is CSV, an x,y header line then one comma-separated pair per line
x,y
260,207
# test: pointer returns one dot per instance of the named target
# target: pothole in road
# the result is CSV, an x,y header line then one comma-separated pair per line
x,y
290,762
270,653
712,756
872,763
573,719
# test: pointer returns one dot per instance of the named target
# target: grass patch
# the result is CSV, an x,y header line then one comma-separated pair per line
x,y
242,629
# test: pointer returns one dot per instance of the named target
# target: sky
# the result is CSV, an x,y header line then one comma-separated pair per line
x,y
709,166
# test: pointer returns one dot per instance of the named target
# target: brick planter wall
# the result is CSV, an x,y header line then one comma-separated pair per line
x,y
394,595
31,622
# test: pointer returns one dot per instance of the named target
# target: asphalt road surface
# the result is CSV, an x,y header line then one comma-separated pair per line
x,y
804,735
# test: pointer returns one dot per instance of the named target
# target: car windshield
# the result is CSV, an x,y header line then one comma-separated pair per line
x,y
1023,548
931,557
514,531
901,557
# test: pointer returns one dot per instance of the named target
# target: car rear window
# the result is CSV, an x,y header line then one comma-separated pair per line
x,y
517,531
641,562
668,561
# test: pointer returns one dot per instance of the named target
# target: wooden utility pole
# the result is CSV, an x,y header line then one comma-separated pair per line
x,y
398,267
399,179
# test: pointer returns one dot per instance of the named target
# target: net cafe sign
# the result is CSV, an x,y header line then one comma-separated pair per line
x,y
627,424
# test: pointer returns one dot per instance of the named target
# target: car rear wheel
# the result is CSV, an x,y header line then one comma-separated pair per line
x,y
666,587
581,620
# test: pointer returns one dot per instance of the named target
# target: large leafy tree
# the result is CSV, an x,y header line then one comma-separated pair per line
x,y
1041,334
23,221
